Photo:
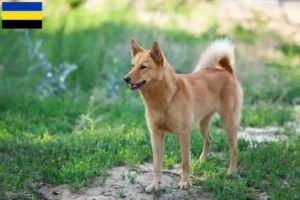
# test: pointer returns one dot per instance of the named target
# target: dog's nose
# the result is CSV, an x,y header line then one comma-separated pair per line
x,y
127,79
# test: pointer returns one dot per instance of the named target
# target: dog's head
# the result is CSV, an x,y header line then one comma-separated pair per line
x,y
146,65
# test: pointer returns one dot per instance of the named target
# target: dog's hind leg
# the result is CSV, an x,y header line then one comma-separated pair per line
x,y
231,129
230,116
204,130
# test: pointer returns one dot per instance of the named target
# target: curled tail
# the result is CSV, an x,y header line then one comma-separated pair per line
x,y
219,54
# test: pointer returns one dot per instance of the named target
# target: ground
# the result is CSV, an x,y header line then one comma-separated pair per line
x,y
115,187
130,183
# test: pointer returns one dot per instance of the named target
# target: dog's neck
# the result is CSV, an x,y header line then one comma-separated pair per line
x,y
158,94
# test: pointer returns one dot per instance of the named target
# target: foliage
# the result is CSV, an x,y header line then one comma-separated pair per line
x,y
54,80
75,3
131,177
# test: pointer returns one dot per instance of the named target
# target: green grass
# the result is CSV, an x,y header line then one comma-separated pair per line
x,y
36,147
71,138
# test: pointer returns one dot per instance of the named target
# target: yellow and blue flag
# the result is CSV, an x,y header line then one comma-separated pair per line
x,y
22,15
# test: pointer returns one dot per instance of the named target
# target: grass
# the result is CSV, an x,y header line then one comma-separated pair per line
x,y
35,146
73,138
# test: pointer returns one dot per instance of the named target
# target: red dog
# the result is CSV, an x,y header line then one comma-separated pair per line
x,y
177,103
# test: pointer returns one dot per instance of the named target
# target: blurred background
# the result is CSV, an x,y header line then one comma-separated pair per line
x,y
65,112
83,48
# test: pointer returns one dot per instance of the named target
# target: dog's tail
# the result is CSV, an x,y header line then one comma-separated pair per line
x,y
219,54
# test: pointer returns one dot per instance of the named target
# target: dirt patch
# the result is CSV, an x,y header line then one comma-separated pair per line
x,y
271,133
267,134
262,134
116,187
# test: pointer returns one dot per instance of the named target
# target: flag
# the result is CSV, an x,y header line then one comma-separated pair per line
x,y
22,15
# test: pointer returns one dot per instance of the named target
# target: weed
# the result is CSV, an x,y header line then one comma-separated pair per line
x,y
54,81
169,162
120,192
156,193
131,177
159,192
103,177
123,175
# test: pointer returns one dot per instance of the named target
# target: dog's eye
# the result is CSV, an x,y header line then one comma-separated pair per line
x,y
143,67
131,66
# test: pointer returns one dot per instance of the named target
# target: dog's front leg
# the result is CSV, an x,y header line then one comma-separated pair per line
x,y
157,141
184,140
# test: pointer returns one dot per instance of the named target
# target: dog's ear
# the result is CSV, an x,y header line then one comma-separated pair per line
x,y
135,48
156,54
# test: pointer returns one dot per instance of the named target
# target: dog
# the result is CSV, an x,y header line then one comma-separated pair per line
x,y
177,103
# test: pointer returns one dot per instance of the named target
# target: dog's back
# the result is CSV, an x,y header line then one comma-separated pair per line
x,y
213,86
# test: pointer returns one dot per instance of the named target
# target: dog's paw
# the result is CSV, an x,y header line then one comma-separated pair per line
x,y
184,185
231,173
152,186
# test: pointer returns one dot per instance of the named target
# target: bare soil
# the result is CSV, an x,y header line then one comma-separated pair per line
x,y
115,186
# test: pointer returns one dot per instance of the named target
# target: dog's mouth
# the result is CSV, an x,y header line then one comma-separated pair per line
x,y
137,85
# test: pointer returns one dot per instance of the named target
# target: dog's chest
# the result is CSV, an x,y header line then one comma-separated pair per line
x,y
164,120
